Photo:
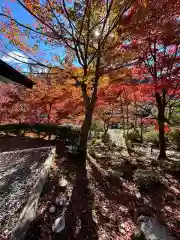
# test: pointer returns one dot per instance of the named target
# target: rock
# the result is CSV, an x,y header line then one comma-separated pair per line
x,y
152,229
122,227
138,235
52,209
53,137
59,202
138,195
121,230
6,231
123,209
65,203
59,225
63,182
99,155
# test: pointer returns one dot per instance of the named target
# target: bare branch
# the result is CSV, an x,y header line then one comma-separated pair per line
x,y
18,60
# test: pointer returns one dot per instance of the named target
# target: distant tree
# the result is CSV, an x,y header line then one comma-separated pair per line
x,y
160,58
51,101
11,103
156,30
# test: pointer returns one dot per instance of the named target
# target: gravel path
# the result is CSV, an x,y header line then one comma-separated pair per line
x,y
117,137
19,170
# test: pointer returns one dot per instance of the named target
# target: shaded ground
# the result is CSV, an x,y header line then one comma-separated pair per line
x,y
105,201
19,170
121,200
78,216
11,143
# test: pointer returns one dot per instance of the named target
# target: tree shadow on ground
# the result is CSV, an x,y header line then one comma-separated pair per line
x,y
114,189
164,204
127,169
79,219
174,170
78,215
153,200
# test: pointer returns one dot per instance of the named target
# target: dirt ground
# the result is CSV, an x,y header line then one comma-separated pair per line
x,y
104,200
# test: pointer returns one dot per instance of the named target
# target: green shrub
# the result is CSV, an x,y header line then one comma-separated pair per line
x,y
146,129
93,141
133,136
36,128
175,166
174,137
145,177
152,137
18,129
106,138
96,129
67,134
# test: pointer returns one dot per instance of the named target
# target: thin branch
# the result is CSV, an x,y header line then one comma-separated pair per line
x,y
68,18
77,42
27,27
58,20
118,67
39,19
28,57
88,34
83,19
17,59
116,20
58,37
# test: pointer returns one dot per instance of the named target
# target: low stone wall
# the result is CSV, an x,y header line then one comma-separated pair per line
x,y
29,212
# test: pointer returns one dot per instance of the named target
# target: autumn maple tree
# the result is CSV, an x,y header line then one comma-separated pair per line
x,y
11,103
54,98
154,33
105,107
48,102
159,65
102,37
88,32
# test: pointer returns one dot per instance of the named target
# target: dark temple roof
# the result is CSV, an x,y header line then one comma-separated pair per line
x,y
8,72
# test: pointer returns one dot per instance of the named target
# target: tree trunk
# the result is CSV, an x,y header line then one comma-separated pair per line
x,y
106,128
49,113
49,118
84,134
162,146
161,119
89,104
141,134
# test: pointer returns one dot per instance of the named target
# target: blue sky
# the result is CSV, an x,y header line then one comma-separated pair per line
x,y
24,17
